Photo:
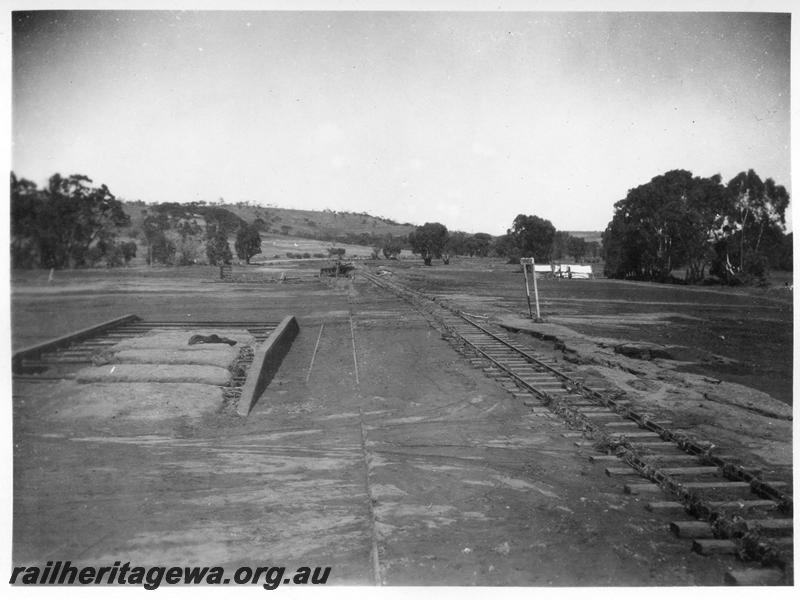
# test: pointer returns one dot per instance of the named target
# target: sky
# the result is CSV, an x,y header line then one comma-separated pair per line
x,y
465,118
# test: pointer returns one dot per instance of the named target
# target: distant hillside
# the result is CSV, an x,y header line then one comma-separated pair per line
x,y
342,227
311,224
589,236
317,224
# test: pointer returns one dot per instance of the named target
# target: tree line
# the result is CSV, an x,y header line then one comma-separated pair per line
x,y
675,223
67,224
71,224
529,236
734,232
534,237
173,236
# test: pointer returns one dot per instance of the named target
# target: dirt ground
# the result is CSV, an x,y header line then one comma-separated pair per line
x,y
740,335
725,375
391,441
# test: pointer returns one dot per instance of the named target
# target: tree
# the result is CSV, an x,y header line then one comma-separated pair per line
x,y
641,234
160,249
479,244
560,245
754,223
128,251
113,255
533,236
187,248
428,241
504,246
456,243
84,215
26,201
623,245
225,221
593,249
248,242
57,226
466,244
699,220
217,249
661,226
577,248
782,253
391,247
678,220
153,228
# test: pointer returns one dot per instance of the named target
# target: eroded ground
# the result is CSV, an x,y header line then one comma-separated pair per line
x,y
390,441
740,335
726,372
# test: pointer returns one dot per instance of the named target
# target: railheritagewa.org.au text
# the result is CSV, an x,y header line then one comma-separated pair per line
x,y
65,573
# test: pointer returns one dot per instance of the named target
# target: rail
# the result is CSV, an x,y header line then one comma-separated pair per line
x,y
648,447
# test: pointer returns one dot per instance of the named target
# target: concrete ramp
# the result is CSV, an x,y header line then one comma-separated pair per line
x,y
267,359
132,369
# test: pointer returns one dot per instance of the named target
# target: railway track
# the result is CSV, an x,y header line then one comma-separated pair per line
x,y
60,358
722,506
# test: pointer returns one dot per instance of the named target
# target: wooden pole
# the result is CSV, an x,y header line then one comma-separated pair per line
x,y
535,289
525,262
527,288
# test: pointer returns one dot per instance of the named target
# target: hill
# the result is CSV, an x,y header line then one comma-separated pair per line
x,y
327,225
285,233
324,225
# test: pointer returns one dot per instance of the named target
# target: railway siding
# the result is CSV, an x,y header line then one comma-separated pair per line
x,y
632,436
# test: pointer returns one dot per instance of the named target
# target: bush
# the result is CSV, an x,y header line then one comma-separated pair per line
x,y
755,271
